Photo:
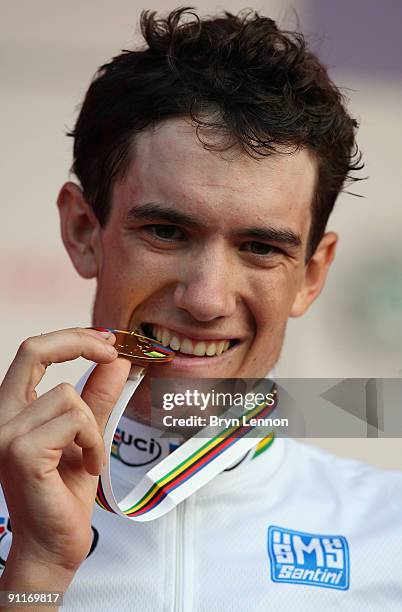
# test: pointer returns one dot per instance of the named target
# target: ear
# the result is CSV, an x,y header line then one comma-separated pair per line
x,y
315,274
80,230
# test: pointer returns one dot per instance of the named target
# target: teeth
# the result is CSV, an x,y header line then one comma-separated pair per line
x,y
219,347
187,346
211,349
166,337
175,343
200,349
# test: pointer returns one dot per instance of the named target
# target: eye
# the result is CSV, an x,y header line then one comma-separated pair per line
x,y
260,248
166,232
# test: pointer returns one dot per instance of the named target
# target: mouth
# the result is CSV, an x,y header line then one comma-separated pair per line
x,y
187,346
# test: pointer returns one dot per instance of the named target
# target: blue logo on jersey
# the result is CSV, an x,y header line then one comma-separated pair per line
x,y
308,558
5,540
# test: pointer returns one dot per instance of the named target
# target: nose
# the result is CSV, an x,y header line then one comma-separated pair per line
x,y
207,287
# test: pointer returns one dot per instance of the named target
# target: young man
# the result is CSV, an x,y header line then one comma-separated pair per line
x,y
208,163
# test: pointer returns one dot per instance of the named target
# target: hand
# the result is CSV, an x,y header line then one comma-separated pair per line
x,y
51,448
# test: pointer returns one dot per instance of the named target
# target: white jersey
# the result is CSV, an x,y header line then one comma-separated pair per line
x,y
291,528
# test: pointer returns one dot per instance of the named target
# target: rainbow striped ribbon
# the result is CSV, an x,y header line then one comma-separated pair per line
x,y
185,470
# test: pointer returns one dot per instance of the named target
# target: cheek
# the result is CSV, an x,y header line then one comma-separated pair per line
x,y
129,276
273,299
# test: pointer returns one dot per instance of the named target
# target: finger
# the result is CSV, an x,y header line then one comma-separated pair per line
x,y
34,354
50,405
38,452
103,388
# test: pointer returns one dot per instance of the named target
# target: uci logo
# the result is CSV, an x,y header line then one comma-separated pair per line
x,y
135,451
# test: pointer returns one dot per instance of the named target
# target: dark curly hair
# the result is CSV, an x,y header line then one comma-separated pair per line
x,y
236,76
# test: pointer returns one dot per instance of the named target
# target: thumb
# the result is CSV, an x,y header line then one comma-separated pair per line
x,y
103,388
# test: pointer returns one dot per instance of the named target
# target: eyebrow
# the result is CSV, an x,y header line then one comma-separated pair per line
x,y
274,234
155,211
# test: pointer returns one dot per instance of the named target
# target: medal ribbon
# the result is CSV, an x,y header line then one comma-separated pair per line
x,y
188,468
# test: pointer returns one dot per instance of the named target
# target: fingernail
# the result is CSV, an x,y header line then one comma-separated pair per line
x,y
110,349
103,332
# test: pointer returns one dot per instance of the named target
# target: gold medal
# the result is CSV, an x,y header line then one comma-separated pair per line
x,y
140,349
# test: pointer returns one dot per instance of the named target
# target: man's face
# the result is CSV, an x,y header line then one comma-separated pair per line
x,y
205,252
